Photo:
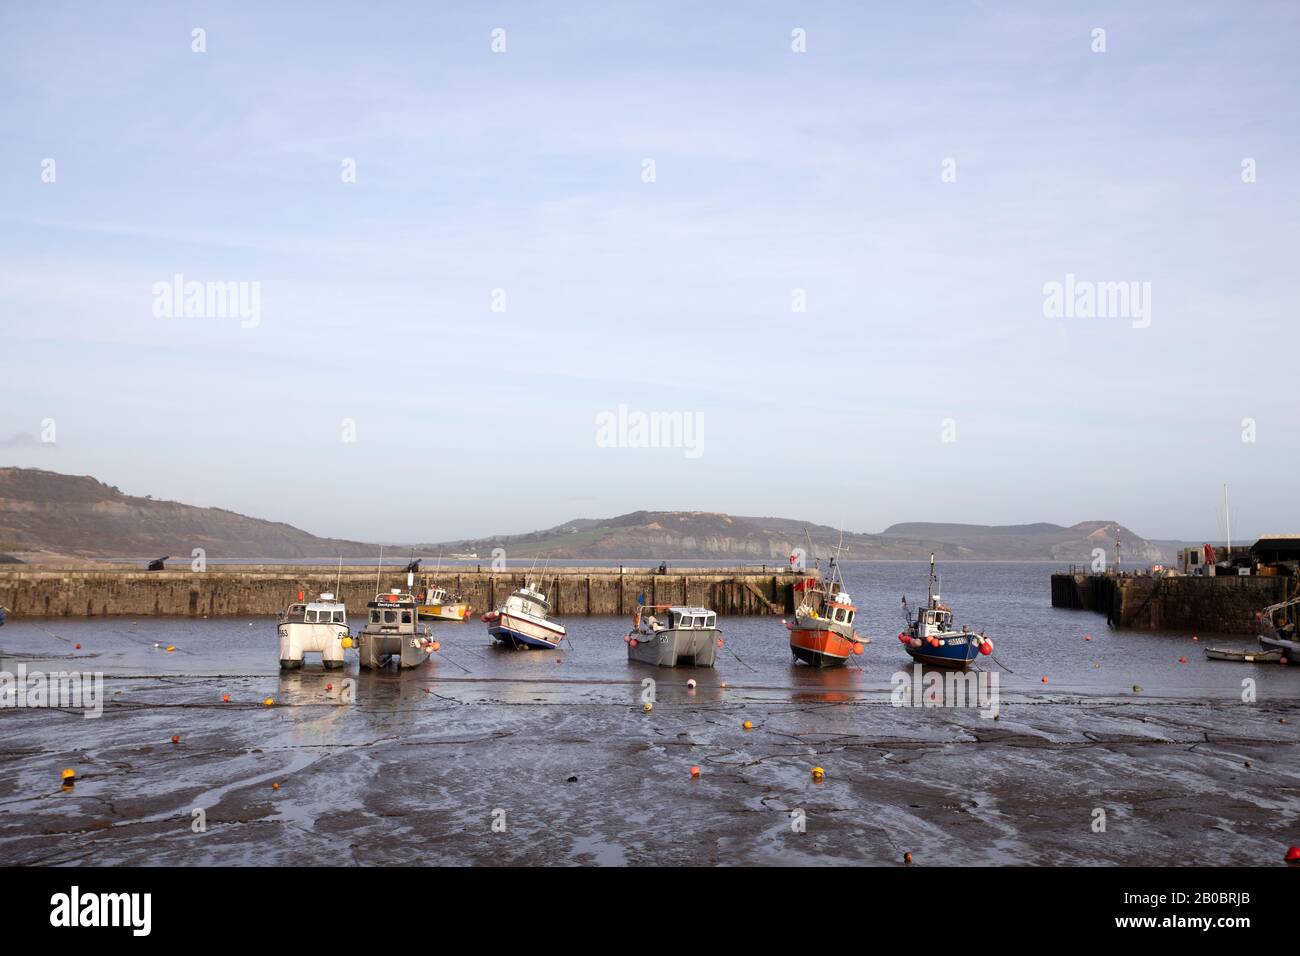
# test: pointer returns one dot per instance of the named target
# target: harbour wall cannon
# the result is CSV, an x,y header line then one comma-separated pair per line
x,y
250,590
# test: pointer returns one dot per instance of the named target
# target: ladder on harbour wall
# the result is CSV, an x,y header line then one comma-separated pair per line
x,y
771,607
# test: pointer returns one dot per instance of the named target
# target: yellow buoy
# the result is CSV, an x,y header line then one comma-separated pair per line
x,y
170,648
647,707
347,643
68,776
269,702
748,725
818,773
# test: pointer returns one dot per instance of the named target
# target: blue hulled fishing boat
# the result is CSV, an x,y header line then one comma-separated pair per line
x,y
930,636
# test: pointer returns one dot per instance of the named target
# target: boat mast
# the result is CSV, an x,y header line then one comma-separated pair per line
x,y
929,587
1227,517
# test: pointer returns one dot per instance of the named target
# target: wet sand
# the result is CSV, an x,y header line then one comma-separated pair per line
x,y
412,769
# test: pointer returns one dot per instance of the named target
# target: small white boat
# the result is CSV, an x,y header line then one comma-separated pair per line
x,y
682,636
524,621
319,627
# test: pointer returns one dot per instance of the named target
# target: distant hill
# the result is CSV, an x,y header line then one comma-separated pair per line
x,y
711,535
46,512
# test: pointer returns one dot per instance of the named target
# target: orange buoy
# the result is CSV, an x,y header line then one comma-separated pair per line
x,y
1087,637
1293,856
1044,680
695,773
68,777
1182,660
632,642
986,647
857,648
270,701
76,647
275,786
435,646
902,637
176,738
719,642
225,698
171,648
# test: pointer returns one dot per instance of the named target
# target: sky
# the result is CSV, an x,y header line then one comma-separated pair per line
x,y
822,235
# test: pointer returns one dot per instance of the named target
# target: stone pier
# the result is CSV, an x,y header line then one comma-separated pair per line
x,y
1217,605
266,589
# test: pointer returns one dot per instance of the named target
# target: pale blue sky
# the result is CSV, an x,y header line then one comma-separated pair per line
x,y
775,170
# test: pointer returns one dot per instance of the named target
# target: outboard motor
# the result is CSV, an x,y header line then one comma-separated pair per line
x,y
157,563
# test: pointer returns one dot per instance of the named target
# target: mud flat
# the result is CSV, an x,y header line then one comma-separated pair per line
x,y
418,766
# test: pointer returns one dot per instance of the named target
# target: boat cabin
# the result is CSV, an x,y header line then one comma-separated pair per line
x,y
528,600
686,619
839,613
324,611
392,611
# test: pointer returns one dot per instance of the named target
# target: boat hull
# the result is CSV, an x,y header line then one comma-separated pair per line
x,y
524,634
298,638
674,648
444,612
384,650
819,646
1289,649
956,651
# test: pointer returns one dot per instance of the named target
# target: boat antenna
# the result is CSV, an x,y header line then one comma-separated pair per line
x,y
929,588
338,582
380,568
1227,517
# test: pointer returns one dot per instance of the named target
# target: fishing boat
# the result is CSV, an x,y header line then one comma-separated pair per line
x,y
440,605
315,627
524,621
822,632
393,633
930,636
1276,627
683,636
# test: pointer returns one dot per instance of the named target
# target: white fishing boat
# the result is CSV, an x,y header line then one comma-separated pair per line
x,y
670,635
316,627
393,633
524,621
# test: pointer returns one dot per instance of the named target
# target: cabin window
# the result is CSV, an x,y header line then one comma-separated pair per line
x,y
374,617
390,617
406,617
684,622
711,620
311,617
339,618
848,618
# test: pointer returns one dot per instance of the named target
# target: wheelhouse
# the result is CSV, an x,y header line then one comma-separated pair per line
x,y
841,613
692,618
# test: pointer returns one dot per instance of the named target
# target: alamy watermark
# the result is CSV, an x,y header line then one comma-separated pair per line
x,y
60,690
636,429
1084,299
922,688
179,299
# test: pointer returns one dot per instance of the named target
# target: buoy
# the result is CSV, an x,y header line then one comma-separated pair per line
x,y
347,643
857,648
695,773
275,786
1195,638
225,698
907,858
68,777
632,642
986,647
329,686
719,642
1182,660
1087,637
1044,679
76,647
269,702
747,725
435,646
176,738
171,648
902,637
690,684
818,774
1293,856
1137,688
647,707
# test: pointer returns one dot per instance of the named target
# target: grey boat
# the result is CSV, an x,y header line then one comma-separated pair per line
x,y
1277,629
682,636
393,633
